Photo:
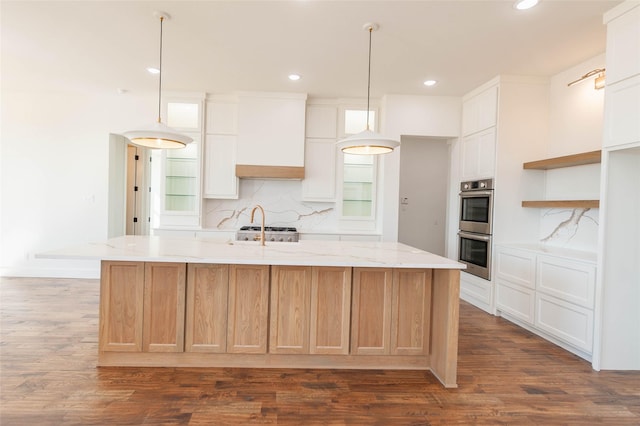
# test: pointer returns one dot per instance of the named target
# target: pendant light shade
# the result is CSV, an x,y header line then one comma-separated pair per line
x,y
158,135
367,142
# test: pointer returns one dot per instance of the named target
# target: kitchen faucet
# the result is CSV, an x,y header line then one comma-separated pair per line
x,y
262,224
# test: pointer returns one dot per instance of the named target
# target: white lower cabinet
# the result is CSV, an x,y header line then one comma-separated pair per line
x,y
563,320
515,300
477,291
552,295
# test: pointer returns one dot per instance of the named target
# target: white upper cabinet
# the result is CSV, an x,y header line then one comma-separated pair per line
x,y
622,96
319,182
220,147
322,121
623,42
222,117
622,112
479,112
478,155
220,167
271,129
478,147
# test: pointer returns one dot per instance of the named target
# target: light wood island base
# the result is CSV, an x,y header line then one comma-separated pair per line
x,y
161,314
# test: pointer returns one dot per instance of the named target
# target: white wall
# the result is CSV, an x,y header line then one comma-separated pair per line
x,y
576,112
576,125
55,153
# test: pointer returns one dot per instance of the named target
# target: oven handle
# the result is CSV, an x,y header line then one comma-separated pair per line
x,y
476,193
476,237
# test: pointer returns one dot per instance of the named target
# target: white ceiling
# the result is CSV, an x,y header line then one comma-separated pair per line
x,y
224,46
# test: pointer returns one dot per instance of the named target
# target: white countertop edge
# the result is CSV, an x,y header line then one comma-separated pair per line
x,y
304,253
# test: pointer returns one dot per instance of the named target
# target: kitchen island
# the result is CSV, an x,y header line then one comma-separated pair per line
x,y
177,302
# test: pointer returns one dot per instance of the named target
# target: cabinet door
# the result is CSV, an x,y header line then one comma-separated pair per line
x,y
121,306
290,307
480,112
220,167
568,322
164,303
206,317
319,183
222,117
322,121
371,312
623,46
248,309
622,112
330,310
478,155
410,311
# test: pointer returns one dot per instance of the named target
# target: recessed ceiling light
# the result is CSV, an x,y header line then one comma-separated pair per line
x,y
294,77
430,83
153,70
525,4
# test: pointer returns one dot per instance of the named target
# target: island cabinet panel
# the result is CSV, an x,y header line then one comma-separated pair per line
x,y
121,306
290,309
206,316
330,310
164,303
248,309
371,311
410,311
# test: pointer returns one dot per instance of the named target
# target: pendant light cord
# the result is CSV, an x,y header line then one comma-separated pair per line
x,y
369,76
160,74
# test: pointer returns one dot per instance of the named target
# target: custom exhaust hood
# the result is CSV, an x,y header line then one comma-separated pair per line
x,y
271,133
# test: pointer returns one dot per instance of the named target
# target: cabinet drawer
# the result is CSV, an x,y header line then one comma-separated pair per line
x,y
566,321
516,266
516,300
567,280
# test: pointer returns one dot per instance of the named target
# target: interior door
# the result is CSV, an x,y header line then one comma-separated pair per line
x,y
424,176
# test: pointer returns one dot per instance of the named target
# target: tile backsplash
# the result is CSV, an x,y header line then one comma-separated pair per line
x,y
282,203
570,228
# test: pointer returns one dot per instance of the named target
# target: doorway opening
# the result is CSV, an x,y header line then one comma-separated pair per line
x,y
129,188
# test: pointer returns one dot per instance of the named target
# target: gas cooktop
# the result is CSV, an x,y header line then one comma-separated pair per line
x,y
271,233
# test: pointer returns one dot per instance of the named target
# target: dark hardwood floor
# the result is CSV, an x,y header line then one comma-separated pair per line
x,y
48,344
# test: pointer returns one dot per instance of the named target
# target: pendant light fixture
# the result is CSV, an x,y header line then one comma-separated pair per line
x,y
158,134
367,141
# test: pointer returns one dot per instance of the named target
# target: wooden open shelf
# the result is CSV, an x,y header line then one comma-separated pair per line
x,y
573,204
583,158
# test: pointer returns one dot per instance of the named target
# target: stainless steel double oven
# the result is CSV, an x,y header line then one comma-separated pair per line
x,y
476,228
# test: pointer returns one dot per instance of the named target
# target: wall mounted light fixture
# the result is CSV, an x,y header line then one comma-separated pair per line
x,y
599,81
158,134
367,141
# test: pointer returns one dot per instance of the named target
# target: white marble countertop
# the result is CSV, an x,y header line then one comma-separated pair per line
x,y
305,253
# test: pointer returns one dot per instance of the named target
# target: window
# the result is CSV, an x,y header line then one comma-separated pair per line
x,y
359,171
358,186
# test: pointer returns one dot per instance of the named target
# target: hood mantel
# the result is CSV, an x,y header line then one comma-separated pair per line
x,y
248,171
271,135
